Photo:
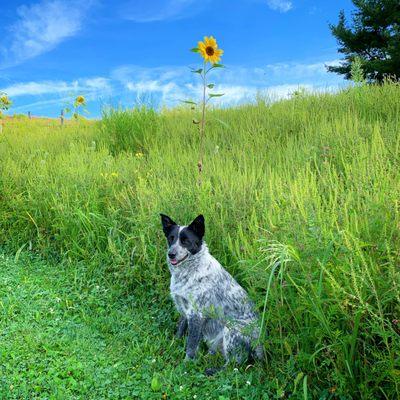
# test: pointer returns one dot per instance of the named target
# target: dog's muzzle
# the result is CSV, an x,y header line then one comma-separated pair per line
x,y
175,262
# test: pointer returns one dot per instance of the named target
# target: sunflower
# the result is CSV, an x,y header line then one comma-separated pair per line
x,y
209,50
80,100
5,101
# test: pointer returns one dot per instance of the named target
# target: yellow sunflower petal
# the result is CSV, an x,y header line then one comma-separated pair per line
x,y
212,42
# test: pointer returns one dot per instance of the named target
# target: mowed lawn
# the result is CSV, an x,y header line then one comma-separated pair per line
x,y
65,337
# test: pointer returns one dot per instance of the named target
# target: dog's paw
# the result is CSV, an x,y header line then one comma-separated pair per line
x,y
189,359
179,334
211,371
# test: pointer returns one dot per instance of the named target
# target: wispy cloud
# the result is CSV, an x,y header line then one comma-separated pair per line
x,y
38,96
169,85
91,86
315,71
41,26
280,5
239,84
158,10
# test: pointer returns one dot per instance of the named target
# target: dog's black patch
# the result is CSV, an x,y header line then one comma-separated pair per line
x,y
168,224
198,226
192,237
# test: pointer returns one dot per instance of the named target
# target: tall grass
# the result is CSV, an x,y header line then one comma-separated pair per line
x,y
127,130
301,200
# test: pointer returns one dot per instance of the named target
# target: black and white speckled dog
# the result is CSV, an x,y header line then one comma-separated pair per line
x,y
213,306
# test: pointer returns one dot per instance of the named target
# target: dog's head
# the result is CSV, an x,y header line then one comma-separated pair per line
x,y
183,241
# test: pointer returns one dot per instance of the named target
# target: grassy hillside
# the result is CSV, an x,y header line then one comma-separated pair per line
x,y
301,200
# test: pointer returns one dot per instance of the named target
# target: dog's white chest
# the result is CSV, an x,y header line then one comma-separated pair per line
x,y
183,296
181,304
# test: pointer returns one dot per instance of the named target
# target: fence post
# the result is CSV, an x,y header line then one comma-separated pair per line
x,y
62,117
29,115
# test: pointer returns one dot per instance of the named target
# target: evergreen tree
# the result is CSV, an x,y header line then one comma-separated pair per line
x,y
374,38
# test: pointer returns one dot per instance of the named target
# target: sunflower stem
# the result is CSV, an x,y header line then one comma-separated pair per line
x,y
202,124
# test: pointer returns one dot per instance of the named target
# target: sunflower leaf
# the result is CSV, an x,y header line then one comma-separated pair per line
x,y
218,66
197,71
210,86
216,94
195,50
188,102
222,123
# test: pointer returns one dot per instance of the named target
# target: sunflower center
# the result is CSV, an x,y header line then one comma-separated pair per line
x,y
210,50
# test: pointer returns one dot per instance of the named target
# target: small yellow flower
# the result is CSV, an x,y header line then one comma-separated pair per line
x,y
139,155
80,101
114,174
5,101
209,50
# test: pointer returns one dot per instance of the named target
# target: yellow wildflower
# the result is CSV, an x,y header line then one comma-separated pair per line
x,y
5,101
80,101
209,50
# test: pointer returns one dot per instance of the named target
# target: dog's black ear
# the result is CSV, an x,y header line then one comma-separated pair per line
x,y
167,224
198,226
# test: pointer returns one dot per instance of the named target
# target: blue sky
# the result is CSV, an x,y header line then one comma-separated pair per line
x,y
127,51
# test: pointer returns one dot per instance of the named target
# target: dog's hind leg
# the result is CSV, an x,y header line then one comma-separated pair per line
x,y
234,346
233,349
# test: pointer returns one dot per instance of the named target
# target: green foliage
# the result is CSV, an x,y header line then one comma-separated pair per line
x,y
299,93
301,203
374,38
357,73
128,130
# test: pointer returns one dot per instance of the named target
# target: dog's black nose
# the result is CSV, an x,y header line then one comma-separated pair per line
x,y
171,255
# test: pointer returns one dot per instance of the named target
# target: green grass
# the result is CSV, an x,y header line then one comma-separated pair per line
x,y
65,337
301,200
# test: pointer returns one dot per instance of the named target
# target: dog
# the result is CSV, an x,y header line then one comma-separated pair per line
x,y
213,307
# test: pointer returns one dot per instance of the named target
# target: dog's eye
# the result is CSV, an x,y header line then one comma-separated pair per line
x,y
185,241
172,238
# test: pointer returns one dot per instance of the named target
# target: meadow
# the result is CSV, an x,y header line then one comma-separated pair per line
x,y
301,200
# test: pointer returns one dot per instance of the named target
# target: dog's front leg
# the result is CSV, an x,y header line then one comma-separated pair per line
x,y
182,327
195,327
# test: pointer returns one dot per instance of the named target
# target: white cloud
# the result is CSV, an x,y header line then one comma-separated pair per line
x,y
37,88
169,85
280,5
299,70
41,27
91,87
94,84
239,84
39,105
158,10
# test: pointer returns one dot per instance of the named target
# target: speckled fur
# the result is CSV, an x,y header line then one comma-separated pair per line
x,y
213,306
